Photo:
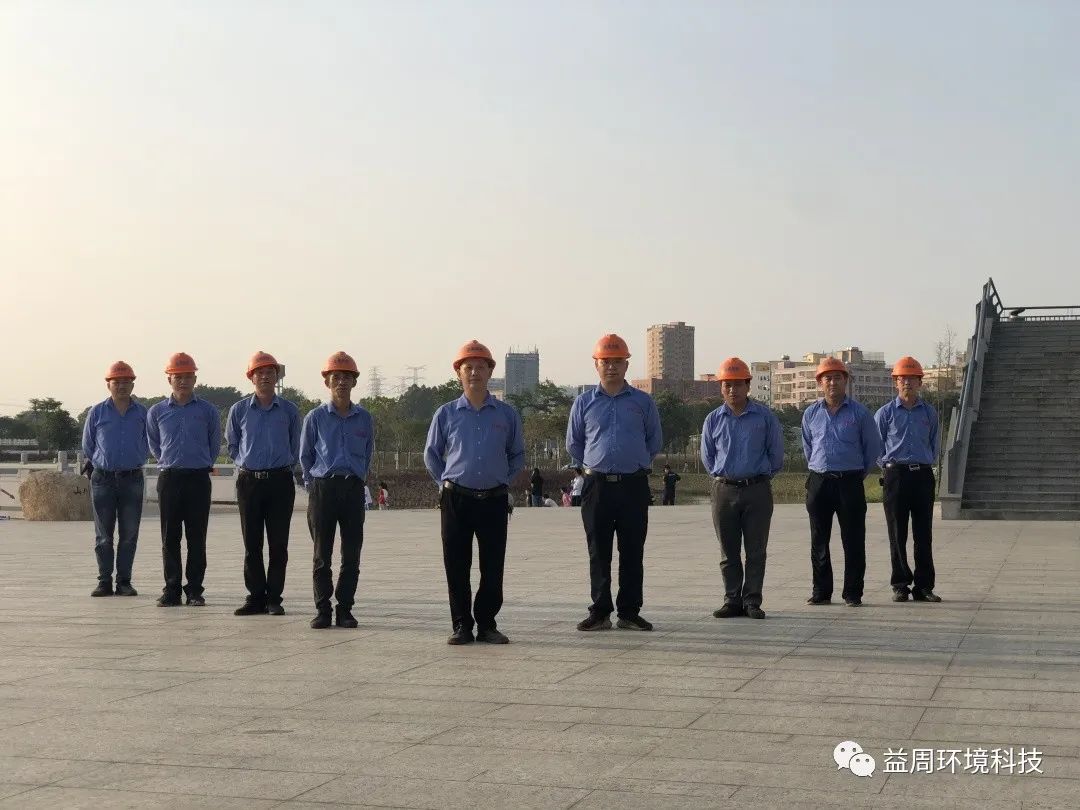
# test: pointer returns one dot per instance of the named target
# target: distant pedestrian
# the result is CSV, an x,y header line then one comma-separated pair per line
x,y
576,487
536,483
670,479
184,434
910,438
614,433
384,496
566,495
742,448
368,501
115,447
841,444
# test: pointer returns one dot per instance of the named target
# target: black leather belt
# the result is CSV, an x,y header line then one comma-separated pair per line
x,y
740,482
616,476
841,474
342,477
119,473
262,475
479,494
899,465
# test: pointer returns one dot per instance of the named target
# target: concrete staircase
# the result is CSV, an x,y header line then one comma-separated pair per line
x,y
1024,457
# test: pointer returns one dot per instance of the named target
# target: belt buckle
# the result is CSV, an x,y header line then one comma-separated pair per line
x,y
262,475
612,477
914,467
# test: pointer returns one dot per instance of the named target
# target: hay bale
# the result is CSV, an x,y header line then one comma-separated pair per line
x,y
55,496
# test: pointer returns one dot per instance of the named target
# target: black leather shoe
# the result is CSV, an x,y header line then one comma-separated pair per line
x,y
196,601
900,596
125,589
925,596
853,602
275,610
321,621
249,609
491,636
594,622
168,601
345,618
728,611
461,635
633,623
755,612
819,600
102,590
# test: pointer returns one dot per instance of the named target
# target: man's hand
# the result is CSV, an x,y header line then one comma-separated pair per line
x,y
87,469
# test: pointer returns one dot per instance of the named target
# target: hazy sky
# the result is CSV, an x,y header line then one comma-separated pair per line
x,y
395,178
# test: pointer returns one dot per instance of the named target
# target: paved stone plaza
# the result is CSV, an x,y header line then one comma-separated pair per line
x,y
115,702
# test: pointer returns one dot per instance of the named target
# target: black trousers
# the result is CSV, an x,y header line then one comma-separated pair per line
x,y
610,508
844,497
266,505
333,503
461,517
184,502
741,518
909,494
668,498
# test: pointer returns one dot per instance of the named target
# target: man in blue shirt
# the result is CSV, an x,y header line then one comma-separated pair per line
x,y
841,444
263,436
742,448
614,434
114,444
335,453
475,447
908,428
184,433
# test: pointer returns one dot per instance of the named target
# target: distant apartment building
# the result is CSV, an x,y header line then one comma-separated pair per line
x,y
943,379
794,382
669,351
704,387
761,382
522,371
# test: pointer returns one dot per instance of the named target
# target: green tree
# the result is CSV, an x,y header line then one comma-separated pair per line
x,y
52,426
675,421
298,398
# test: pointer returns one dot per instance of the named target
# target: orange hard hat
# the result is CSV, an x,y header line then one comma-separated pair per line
x,y
181,363
340,361
611,347
828,365
473,350
734,369
262,360
120,371
907,366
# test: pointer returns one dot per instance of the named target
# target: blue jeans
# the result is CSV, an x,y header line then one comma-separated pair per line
x,y
116,499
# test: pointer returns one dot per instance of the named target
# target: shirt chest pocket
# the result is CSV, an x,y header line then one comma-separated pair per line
x,y
356,442
846,430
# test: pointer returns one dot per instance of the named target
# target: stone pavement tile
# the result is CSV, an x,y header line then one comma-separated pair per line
x,y
604,799
847,679
356,664
51,739
825,777
1007,699
885,725
389,791
47,798
353,706
272,751
202,659
10,717
592,739
25,695
198,781
981,787
236,692
597,716
675,684
92,676
757,797
985,717
1024,684
371,729
488,673
999,735
549,768
39,771
783,687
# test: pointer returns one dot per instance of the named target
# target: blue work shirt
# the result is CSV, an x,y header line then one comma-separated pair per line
x,y
613,434
187,437
742,446
908,436
263,438
477,448
841,442
113,441
334,444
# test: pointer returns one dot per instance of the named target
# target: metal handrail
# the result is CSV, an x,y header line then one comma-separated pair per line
x,y
954,463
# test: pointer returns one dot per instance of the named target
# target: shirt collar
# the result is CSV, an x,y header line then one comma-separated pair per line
x,y
750,406
462,402
253,402
626,389
329,408
174,404
899,403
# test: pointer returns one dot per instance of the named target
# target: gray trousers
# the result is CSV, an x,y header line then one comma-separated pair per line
x,y
741,517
